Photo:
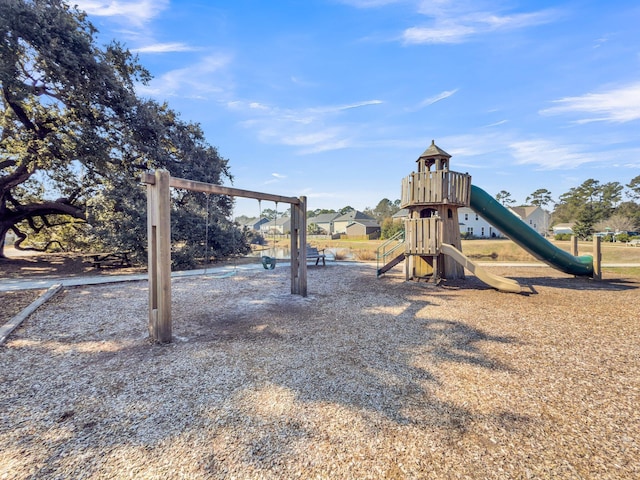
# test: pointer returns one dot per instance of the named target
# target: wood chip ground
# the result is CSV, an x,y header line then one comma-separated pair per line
x,y
364,378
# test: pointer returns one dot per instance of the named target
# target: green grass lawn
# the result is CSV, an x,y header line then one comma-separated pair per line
x,y
497,250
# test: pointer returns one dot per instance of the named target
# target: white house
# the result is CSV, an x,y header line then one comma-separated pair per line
x,y
281,225
324,221
536,217
471,223
561,228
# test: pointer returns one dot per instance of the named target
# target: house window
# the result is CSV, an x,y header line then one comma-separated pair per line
x,y
449,213
476,216
530,222
466,216
470,230
482,230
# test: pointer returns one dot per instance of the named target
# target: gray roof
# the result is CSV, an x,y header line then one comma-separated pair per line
x,y
323,218
402,213
253,222
279,221
365,222
353,215
434,151
524,211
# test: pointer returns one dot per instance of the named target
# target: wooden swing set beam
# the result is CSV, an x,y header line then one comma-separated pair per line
x,y
195,186
159,242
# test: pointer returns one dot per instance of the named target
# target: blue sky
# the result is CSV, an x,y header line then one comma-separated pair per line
x,y
336,99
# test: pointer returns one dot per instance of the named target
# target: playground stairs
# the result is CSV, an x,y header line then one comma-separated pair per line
x,y
390,253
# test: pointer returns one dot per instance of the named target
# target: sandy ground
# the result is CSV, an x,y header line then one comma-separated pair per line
x,y
364,378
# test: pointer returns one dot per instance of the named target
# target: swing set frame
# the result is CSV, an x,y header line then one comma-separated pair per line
x,y
159,184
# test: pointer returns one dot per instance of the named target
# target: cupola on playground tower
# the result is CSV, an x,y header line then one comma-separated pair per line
x,y
432,195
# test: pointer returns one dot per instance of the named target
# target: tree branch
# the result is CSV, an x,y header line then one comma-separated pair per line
x,y
18,110
8,163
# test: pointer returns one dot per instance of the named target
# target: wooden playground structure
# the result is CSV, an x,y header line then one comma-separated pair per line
x,y
431,245
159,184
433,199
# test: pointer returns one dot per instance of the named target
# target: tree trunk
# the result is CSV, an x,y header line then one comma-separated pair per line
x,y
3,235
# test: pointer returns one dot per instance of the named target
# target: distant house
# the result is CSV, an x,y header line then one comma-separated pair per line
x,y
473,224
324,221
469,221
341,223
254,223
365,227
563,228
401,214
280,226
536,217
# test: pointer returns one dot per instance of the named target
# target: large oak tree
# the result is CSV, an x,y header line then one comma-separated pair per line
x,y
74,137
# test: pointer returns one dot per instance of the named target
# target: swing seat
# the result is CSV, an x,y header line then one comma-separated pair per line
x,y
269,263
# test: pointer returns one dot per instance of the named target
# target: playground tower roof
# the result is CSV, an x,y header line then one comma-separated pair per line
x,y
433,151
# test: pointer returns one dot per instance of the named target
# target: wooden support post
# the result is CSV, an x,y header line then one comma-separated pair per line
x,y
159,257
299,248
597,258
574,245
302,250
294,248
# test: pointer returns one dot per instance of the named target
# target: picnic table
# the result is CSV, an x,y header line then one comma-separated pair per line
x,y
110,259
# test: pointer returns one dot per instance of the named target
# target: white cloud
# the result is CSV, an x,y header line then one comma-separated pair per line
x,y
550,156
436,98
437,34
136,11
312,129
164,48
495,124
457,22
303,82
278,175
619,105
202,78
339,108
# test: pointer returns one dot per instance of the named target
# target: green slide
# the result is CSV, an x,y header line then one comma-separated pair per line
x,y
525,236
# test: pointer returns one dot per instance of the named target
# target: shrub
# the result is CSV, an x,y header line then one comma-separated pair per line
x,y
341,254
622,237
365,255
562,236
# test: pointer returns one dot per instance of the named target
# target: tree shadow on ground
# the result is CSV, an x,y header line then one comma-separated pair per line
x,y
378,362
529,282
56,265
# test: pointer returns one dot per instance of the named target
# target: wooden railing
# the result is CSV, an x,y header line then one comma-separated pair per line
x,y
436,187
422,236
